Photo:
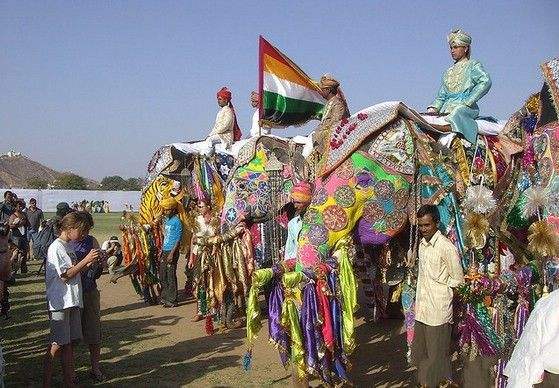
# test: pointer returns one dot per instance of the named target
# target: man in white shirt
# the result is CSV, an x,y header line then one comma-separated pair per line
x,y
440,271
537,350
256,129
225,130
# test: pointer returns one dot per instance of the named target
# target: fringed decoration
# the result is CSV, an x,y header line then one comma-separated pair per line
x,y
542,240
479,199
537,198
476,228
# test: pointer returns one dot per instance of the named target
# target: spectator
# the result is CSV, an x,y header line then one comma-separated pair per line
x,y
170,254
7,207
5,269
18,224
91,313
35,217
64,295
114,253
49,233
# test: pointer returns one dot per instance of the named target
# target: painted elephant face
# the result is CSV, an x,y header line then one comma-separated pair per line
x,y
259,188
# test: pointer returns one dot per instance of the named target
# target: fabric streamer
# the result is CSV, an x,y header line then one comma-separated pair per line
x,y
290,320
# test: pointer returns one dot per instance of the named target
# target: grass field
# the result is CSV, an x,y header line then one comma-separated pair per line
x,y
106,225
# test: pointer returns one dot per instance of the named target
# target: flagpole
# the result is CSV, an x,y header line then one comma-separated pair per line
x,y
260,79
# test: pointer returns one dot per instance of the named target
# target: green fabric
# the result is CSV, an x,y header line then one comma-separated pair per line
x,y
348,286
260,278
362,162
290,319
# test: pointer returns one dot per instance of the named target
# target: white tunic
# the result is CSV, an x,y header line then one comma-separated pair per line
x,y
537,350
256,129
223,127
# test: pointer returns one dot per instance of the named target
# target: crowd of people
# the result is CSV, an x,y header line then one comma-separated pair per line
x,y
72,261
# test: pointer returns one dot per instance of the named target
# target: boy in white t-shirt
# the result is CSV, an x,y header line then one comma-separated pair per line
x,y
64,295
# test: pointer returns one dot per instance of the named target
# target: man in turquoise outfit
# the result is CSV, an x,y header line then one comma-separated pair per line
x,y
463,85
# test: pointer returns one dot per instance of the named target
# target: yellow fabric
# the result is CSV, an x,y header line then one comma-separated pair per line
x,y
290,319
260,278
344,251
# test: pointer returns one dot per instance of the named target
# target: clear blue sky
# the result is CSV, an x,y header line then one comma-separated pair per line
x,y
96,86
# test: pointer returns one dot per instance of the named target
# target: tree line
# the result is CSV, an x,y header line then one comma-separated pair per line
x,y
70,181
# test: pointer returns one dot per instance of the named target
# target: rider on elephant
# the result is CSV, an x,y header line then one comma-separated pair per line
x,y
334,111
225,130
463,85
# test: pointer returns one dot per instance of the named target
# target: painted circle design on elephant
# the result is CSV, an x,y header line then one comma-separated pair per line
x,y
384,189
345,171
395,220
252,199
287,186
401,199
365,179
240,205
312,216
318,234
319,197
335,218
372,212
344,196
231,215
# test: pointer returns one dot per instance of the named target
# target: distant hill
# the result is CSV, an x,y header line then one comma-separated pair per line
x,y
16,170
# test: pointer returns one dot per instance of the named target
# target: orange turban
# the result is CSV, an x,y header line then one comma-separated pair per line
x,y
302,192
224,93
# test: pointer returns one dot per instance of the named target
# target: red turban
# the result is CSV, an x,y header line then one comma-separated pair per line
x,y
224,93
302,191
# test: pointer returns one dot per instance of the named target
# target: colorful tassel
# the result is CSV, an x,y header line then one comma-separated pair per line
x,y
247,360
209,325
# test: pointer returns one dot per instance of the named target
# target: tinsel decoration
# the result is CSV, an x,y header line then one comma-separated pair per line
x,y
532,104
542,239
479,199
529,155
537,198
552,206
476,227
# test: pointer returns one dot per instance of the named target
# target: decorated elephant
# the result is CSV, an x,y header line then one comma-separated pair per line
x,y
258,186
382,164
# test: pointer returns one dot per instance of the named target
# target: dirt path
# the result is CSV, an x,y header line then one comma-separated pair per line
x,y
153,346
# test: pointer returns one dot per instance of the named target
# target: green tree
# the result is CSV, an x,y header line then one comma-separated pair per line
x,y
70,181
36,183
134,184
113,182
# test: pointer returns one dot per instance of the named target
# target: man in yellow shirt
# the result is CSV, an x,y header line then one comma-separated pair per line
x,y
440,271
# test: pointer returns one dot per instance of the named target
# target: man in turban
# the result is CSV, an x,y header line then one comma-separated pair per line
x,y
172,236
301,194
256,129
225,130
463,85
335,110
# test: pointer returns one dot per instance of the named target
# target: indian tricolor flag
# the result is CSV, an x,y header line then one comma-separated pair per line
x,y
288,95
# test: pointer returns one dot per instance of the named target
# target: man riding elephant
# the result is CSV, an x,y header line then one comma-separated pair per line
x,y
463,85
334,111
